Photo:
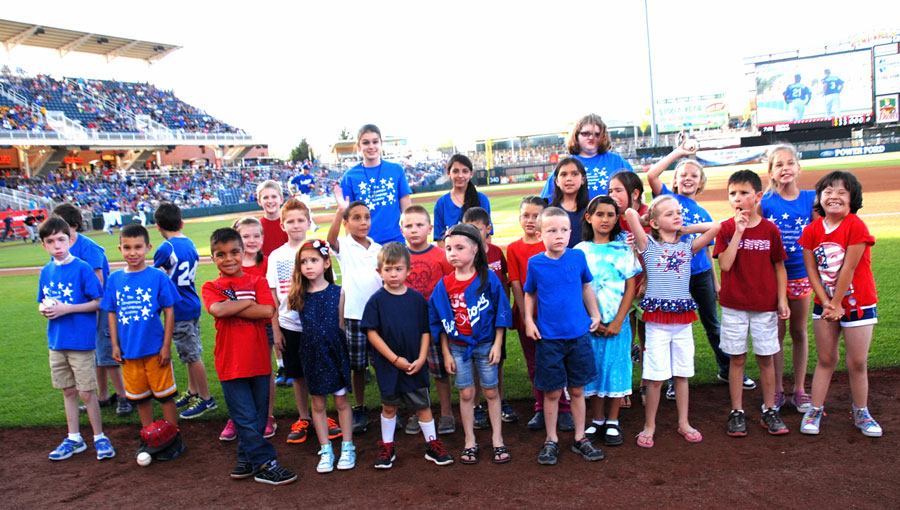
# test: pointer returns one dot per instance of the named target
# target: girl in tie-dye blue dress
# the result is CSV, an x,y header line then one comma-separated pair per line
x,y
612,262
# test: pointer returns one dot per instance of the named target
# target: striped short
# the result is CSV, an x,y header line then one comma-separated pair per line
x,y
357,344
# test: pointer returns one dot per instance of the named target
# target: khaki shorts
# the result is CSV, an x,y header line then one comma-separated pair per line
x,y
738,325
73,368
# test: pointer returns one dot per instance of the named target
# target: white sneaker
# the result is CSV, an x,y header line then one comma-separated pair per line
x,y
326,459
811,420
864,421
348,456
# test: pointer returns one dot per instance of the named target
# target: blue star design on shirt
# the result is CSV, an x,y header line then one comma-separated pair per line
x,y
673,261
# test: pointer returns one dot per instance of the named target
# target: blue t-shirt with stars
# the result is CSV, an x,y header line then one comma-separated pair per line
x,y
380,188
137,298
72,283
790,216
599,168
692,213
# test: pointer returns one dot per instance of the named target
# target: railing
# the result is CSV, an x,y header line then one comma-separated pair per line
x,y
12,95
21,200
92,135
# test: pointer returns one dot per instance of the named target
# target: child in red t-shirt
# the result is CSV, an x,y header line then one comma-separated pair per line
x,y
428,264
836,254
481,219
270,196
242,305
753,297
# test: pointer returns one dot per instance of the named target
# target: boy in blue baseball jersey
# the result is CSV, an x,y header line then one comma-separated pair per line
x,y
134,297
69,295
559,281
178,257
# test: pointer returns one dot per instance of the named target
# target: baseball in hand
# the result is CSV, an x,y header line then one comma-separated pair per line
x,y
47,303
691,145
144,459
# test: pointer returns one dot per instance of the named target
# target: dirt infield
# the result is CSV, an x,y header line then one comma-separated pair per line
x,y
839,468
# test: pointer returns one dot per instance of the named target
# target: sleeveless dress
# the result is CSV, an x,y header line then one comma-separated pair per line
x,y
323,348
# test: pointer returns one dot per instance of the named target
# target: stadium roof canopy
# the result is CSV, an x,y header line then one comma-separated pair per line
x,y
15,33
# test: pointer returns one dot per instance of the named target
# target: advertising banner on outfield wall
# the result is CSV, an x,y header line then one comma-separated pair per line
x,y
859,151
736,156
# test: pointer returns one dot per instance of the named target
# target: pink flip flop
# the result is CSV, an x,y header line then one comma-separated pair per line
x,y
644,441
693,436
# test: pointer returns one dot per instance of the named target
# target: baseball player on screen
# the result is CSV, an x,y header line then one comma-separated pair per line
x,y
832,87
797,96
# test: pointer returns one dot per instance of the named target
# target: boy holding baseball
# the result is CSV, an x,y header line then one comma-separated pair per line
x,y
69,295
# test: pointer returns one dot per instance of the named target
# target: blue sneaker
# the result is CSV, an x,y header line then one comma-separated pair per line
x,y
198,408
348,456
67,448
104,449
187,398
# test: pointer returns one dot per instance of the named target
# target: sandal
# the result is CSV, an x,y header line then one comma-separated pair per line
x,y
694,436
499,452
626,402
644,440
469,455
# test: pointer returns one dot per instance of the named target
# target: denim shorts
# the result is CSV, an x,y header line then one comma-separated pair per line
x,y
103,343
564,363
465,370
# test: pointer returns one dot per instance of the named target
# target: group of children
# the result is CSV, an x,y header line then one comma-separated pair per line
x,y
616,266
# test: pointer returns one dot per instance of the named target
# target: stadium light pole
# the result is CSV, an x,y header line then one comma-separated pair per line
x,y
654,135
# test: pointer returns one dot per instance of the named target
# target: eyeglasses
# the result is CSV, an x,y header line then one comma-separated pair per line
x,y
595,134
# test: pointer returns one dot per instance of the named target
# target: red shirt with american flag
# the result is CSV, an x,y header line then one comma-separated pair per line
x,y
242,348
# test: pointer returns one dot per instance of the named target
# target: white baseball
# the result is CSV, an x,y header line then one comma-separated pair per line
x,y
144,459
47,303
691,145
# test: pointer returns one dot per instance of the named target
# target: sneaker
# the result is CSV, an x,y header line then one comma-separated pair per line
x,y
67,448
348,457
771,420
587,450
105,450
481,419
670,391
360,419
537,421
801,400
198,408
228,433
437,453
812,419
124,407
298,431
507,414
737,425
412,425
273,474
446,425
109,402
334,431
749,384
186,399
271,427
386,456
565,422
864,422
722,377
243,470
549,453
779,400
280,379
613,436
326,459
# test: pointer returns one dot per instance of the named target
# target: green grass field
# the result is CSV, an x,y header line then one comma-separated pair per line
x,y
27,398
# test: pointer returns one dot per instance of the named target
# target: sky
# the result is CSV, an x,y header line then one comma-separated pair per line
x,y
439,72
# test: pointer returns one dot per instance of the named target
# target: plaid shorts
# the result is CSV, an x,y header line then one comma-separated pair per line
x,y
357,344
435,359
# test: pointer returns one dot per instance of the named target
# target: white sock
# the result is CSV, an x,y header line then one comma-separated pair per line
x,y
279,363
75,437
99,436
428,430
599,423
387,429
611,431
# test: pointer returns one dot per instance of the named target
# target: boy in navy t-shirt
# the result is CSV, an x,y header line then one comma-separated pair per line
x,y
401,341
558,283
134,297
69,295
178,257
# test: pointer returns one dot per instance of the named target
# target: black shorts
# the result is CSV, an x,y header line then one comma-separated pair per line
x,y
291,354
413,400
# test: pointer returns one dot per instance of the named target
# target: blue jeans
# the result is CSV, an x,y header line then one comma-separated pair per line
x,y
704,293
465,370
247,399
